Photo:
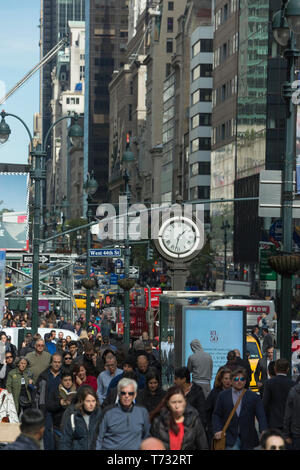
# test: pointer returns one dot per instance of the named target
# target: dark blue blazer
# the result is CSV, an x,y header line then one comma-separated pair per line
x,y
242,425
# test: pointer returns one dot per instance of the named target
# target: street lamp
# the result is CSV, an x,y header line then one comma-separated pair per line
x,y
37,174
287,17
225,226
90,187
128,158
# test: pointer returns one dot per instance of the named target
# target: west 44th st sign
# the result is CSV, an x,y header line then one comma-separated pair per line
x,y
43,259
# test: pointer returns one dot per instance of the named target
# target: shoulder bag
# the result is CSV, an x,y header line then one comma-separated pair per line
x,y
220,444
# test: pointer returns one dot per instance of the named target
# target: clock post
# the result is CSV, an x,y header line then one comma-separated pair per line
x,y
179,240
178,273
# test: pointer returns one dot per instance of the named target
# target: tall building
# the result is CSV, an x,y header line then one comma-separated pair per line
x,y
106,39
224,111
260,123
187,108
55,15
65,168
248,126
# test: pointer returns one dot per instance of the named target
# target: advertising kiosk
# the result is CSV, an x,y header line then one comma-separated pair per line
x,y
219,330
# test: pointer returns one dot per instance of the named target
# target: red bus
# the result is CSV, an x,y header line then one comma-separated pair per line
x,y
139,307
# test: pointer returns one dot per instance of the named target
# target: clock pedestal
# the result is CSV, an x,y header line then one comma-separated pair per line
x,y
178,273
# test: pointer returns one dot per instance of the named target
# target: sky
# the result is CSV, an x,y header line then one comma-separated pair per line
x,y
13,192
19,53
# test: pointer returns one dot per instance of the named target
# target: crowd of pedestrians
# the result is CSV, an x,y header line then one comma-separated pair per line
x,y
95,393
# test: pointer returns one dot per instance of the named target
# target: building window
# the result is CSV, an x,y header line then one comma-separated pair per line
x,y
170,24
196,48
170,6
225,12
201,119
196,73
203,192
206,45
168,69
169,47
206,70
200,168
202,94
203,45
195,121
130,112
201,143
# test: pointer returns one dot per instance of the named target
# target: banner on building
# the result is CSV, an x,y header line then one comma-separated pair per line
x,y
14,196
2,283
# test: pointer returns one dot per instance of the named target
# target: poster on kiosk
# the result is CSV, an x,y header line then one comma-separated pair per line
x,y
218,330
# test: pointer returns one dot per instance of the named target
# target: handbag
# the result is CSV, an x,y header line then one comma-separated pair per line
x,y
220,444
5,419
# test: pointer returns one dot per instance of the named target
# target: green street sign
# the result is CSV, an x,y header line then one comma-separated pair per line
x,y
266,273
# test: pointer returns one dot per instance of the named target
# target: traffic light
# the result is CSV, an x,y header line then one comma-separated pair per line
x,y
149,253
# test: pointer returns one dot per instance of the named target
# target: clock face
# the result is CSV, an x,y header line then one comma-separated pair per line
x,y
179,237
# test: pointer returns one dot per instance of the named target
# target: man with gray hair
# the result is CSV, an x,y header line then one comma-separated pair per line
x,y
124,425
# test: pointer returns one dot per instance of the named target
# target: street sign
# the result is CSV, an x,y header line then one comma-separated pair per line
x,y
119,270
106,253
114,279
134,272
118,263
43,259
270,189
267,276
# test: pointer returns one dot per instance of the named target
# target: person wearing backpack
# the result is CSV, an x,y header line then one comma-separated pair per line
x,y
79,428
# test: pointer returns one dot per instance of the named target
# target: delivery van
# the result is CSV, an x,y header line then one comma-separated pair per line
x,y
255,308
17,333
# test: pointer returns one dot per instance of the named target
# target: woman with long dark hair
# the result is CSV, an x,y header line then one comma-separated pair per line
x,y
152,394
222,382
177,424
79,429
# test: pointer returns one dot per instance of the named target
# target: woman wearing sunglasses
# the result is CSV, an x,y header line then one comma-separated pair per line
x,y
241,433
67,364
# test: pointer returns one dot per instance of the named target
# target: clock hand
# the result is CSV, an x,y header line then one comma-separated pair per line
x,y
180,236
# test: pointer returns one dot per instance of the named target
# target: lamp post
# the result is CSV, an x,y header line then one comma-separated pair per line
x,y
286,22
90,188
37,174
128,159
225,226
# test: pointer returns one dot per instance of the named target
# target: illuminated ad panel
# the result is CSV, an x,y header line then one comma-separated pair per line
x,y
219,331
14,198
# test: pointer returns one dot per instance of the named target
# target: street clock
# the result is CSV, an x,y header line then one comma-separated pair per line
x,y
180,239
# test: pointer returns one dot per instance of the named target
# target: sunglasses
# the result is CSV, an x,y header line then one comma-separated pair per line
x,y
236,379
8,357
68,358
131,394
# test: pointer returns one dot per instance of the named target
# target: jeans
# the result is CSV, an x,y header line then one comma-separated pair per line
x,y
48,433
236,446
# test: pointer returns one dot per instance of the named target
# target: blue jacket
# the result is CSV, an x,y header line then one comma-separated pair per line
x,y
242,425
123,430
